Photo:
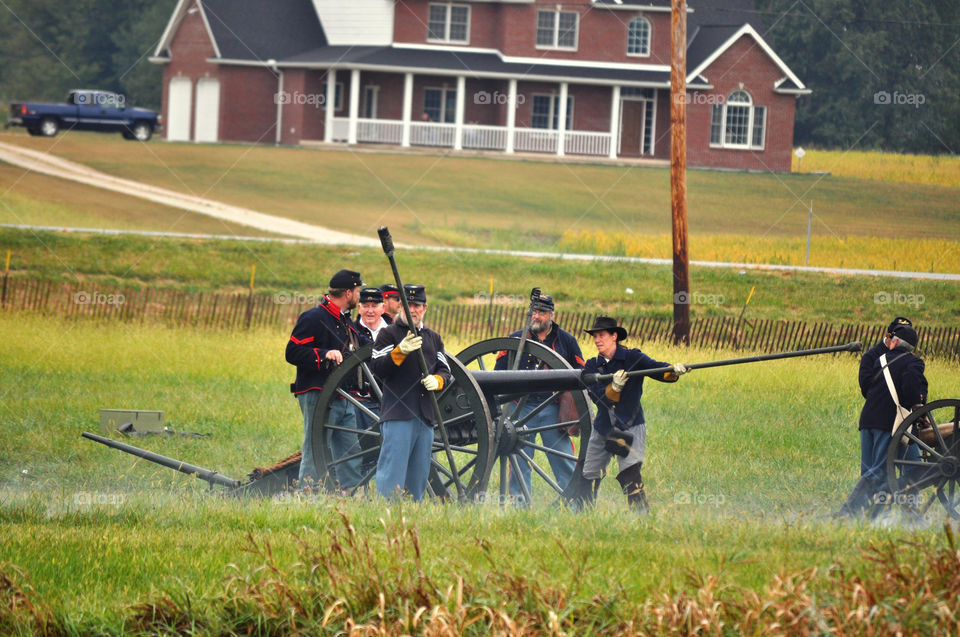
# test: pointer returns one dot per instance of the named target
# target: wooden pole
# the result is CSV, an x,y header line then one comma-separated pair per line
x,y
678,171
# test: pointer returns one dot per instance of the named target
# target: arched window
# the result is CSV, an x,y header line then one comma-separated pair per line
x,y
737,123
638,36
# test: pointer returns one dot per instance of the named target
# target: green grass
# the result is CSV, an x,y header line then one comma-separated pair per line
x,y
466,278
32,199
478,202
762,452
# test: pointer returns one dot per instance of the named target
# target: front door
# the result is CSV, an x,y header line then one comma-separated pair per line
x,y
632,117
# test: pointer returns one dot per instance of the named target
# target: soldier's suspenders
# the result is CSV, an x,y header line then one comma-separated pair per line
x,y
893,393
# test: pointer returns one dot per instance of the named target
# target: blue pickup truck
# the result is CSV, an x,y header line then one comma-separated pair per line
x,y
86,110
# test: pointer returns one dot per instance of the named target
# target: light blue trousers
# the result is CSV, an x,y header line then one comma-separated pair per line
x,y
341,443
405,453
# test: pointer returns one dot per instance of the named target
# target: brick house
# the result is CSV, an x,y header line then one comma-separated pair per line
x,y
581,77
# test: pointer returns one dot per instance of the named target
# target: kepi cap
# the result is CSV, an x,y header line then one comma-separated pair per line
x,y
371,295
415,293
608,324
543,302
389,289
345,280
900,320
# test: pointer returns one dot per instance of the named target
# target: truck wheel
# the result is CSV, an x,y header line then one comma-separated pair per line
x,y
49,127
141,131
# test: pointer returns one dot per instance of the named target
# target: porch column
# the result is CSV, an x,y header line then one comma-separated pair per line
x,y
329,103
614,121
562,118
458,132
511,113
354,106
407,108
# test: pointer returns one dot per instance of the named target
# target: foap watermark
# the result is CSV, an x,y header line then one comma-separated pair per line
x,y
487,497
699,499
301,99
886,98
499,299
495,98
698,97
98,298
108,100
698,298
899,298
86,499
296,298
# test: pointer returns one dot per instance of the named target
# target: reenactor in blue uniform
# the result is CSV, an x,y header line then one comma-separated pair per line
x,y
892,383
546,332
619,428
321,339
370,320
391,301
406,411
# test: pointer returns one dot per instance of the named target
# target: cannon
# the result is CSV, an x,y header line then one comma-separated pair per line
x,y
479,413
934,428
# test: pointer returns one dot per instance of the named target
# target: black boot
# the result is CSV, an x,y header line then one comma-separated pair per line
x,y
631,481
860,501
585,494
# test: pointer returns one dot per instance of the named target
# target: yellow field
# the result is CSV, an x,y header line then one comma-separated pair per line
x,y
913,255
934,170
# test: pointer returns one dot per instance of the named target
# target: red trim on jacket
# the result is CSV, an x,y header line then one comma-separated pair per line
x,y
579,360
327,306
309,339
316,352
501,354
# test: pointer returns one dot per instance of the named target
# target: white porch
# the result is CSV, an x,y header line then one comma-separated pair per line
x,y
461,135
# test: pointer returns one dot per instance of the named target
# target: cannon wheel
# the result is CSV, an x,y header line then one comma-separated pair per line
x,y
513,441
465,415
935,429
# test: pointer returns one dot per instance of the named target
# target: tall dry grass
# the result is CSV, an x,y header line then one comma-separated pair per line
x,y
931,170
857,252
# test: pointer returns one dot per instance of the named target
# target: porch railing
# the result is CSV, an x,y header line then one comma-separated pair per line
x,y
475,136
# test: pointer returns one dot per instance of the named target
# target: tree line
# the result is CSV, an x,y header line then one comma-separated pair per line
x,y
884,73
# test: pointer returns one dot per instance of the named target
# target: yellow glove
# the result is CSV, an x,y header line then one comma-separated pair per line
x,y
619,380
410,343
431,383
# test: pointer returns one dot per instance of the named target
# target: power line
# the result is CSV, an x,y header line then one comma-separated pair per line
x,y
810,14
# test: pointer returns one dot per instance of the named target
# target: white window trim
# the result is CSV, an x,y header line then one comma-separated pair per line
x,y
556,31
649,38
446,26
752,106
554,97
375,90
337,96
443,101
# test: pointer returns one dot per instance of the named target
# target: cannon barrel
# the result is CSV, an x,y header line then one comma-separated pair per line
x,y
177,465
534,380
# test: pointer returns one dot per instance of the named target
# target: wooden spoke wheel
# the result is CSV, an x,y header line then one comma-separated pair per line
x,y
346,458
515,432
925,453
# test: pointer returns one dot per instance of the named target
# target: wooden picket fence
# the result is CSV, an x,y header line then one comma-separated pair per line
x,y
467,322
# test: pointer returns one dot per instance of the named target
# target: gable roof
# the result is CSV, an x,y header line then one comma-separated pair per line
x,y
730,35
252,29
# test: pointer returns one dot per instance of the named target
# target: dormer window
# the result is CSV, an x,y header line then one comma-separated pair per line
x,y
638,37
448,23
557,30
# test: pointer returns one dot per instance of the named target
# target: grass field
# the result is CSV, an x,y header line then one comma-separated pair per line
x,y
466,278
477,202
939,170
33,199
743,465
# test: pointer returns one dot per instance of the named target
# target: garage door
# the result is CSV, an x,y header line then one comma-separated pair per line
x,y
208,109
178,109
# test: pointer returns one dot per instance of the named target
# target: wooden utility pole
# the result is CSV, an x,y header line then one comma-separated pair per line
x,y
678,171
